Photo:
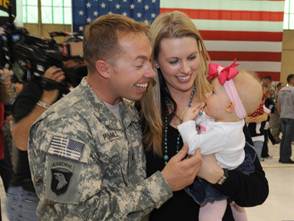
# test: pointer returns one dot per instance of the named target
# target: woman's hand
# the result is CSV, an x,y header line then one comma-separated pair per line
x,y
210,170
5,76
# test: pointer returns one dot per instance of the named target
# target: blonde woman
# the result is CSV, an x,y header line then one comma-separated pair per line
x,y
181,61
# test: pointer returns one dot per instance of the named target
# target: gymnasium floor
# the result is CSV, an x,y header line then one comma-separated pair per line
x,y
279,205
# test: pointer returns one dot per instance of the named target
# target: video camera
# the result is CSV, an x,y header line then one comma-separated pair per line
x,y
35,55
72,46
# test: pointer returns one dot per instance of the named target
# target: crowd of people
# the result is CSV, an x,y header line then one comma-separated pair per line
x,y
142,135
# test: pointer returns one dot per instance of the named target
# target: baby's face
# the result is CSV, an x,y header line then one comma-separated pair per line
x,y
217,101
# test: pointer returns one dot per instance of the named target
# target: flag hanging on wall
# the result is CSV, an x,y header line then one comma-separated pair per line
x,y
248,30
140,10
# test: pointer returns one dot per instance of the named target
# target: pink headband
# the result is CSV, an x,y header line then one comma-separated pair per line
x,y
225,77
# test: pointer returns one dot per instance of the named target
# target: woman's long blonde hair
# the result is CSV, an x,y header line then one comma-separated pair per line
x,y
169,25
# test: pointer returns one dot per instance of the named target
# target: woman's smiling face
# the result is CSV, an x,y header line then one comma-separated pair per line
x,y
179,60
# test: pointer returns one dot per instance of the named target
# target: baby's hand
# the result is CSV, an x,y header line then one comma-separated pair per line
x,y
192,112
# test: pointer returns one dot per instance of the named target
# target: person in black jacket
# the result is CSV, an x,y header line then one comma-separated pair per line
x,y
181,60
269,106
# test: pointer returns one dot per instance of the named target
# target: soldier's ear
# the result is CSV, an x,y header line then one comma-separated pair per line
x,y
102,68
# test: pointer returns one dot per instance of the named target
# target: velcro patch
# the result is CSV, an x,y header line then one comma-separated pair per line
x,y
60,180
66,147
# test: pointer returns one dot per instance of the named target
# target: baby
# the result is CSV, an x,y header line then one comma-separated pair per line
x,y
234,96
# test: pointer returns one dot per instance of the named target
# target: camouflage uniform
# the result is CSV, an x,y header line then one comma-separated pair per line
x,y
88,165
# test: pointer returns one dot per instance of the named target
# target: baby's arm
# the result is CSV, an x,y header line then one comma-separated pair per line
x,y
210,142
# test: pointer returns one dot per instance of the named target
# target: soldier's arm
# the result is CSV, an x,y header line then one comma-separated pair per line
x,y
73,186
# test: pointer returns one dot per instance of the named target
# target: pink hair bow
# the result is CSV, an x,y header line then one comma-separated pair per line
x,y
223,73
225,77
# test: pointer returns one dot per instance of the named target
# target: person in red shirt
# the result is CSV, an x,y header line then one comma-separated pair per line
x,y
5,174
3,98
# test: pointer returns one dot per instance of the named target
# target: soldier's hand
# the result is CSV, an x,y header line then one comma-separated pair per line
x,y
180,171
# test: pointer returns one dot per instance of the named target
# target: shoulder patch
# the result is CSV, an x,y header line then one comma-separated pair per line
x,y
60,180
66,147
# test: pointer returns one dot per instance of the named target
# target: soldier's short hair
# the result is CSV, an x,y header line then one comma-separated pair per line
x,y
101,36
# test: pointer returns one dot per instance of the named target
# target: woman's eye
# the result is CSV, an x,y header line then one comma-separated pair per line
x,y
192,57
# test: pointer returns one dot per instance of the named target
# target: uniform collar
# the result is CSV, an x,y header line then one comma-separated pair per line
x,y
102,112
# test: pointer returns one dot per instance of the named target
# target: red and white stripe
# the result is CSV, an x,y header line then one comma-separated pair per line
x,y
248,30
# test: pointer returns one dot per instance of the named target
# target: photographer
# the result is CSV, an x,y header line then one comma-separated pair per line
x,y
28,106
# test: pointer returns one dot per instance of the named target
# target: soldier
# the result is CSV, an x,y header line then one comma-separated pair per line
x,y
85,152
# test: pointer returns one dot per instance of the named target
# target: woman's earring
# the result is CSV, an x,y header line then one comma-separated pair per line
x,y
156,66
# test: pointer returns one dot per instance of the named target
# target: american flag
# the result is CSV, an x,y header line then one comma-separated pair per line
x,y
65,147
248,30
140,10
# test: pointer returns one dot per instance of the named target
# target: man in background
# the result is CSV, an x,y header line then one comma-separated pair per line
x,y
286,108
